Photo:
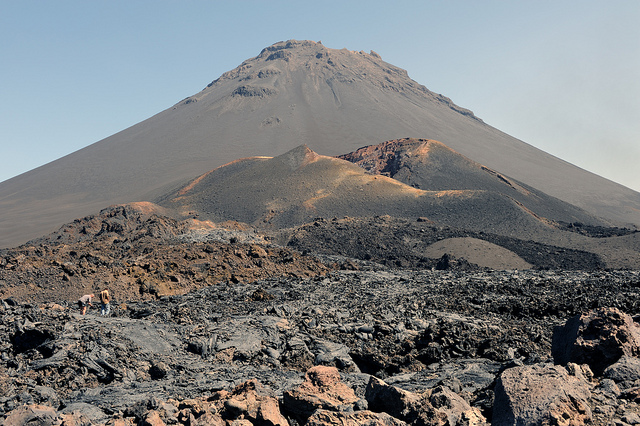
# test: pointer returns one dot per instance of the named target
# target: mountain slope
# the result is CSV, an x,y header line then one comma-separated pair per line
x,y
292,93
430,165
295,187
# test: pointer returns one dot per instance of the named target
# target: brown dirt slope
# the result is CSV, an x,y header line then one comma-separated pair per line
x,y
300,185
430,165
478,252
138,253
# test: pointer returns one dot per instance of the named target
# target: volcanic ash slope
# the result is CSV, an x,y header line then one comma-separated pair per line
x,y
296,187
291,93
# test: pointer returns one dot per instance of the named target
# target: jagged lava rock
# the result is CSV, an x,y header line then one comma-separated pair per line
x,y
358,418
31,414
437,406
626,371
540,395
322,389
598,338
254,402
405,405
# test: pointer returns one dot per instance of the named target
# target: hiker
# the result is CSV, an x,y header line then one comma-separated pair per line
x,y
105,307
85,301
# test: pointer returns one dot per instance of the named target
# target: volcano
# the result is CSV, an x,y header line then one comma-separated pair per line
x,y
294,188
432,166
293,93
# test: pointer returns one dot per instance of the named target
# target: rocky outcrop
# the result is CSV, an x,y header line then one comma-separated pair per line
x,y
541,395
358,418
437,406
33,414
374,346
139,253
407,406
250,401
625,372
598,338
321,390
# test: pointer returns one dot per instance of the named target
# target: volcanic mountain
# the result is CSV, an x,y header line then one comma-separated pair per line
x,y
293,188
291,191
432,166
292,93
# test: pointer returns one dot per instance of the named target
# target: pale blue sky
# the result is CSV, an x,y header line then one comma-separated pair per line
x,y
563,76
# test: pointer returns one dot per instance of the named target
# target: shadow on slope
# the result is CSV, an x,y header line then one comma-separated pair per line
x,y
416,243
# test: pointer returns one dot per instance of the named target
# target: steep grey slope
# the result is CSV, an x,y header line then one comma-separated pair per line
x,y
292,93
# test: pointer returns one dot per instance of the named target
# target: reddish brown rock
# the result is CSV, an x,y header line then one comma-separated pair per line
x,y
438,406
240,422
120,422
86,248
408,406
248,403
255,403
598,338
358,418
152,419
78,419
207,419
322,389
457,410
540,395
32,414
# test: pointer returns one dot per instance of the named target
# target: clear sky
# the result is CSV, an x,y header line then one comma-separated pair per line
x,y
563,76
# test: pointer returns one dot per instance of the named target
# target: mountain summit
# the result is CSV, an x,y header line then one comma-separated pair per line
x,y
292,93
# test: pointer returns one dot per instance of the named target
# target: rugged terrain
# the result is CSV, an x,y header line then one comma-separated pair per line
x,y
406,180
215,323
173,357
401,283
140,252
432,166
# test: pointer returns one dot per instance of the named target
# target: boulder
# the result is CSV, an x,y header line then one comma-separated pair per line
x,y
248,403
598,338
253,402
152,419
207,419
297,355
437,406
357,418
333,354
540,395
457,410
410,407
625,372
322,389
32,415
84,412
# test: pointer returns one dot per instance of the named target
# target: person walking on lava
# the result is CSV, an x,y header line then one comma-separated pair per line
x,y
105,307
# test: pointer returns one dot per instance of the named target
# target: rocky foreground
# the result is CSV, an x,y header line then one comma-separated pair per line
x,y
372,346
